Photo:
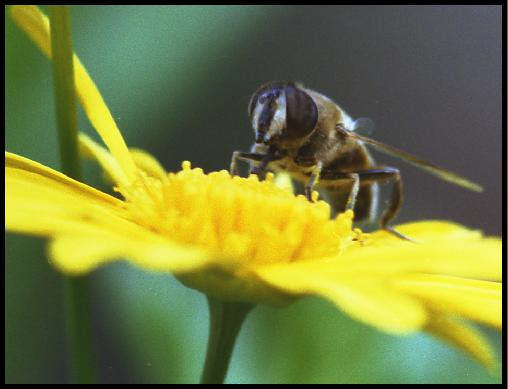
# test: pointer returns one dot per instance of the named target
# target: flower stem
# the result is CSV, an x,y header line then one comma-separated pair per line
x,y
65,94
79,331
77,307
226,319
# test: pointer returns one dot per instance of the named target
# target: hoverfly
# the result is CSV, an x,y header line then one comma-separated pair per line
x,y
307,135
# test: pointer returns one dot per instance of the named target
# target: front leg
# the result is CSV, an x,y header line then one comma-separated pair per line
x,y
242,156
263,159
260,169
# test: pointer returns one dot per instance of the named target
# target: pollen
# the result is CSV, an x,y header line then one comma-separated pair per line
x,y
241,218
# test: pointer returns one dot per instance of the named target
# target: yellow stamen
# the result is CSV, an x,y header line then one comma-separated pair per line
x,y
232,215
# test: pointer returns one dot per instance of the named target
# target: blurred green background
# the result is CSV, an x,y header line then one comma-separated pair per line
x,y
177,81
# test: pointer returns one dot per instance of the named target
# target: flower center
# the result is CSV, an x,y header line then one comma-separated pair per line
x,y
241,218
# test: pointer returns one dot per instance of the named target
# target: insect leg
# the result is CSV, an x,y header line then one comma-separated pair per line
x,y
261,168
387,174
240,155
351,200
378,175
314,177
355,187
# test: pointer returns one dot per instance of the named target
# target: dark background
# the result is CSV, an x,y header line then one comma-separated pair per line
x,y
177,81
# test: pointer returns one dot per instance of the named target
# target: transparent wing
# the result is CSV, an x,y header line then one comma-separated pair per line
x,y
437,171
363,126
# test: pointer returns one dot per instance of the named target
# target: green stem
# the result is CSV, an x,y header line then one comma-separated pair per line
x,y
226,319
79,331
65,94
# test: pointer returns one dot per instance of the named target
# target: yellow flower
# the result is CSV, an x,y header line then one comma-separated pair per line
x,y
239,239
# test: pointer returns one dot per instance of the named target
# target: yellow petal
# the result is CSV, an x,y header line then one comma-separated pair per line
x,y
36,26
148,164
39,200
80,254
463,337
89,148
30,172
474,299
367,301
441,248
100,117
89,227
143,160
436,230
42,201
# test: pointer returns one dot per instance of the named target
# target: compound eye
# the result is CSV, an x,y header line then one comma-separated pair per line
x,y
263,95
301,113
252,104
